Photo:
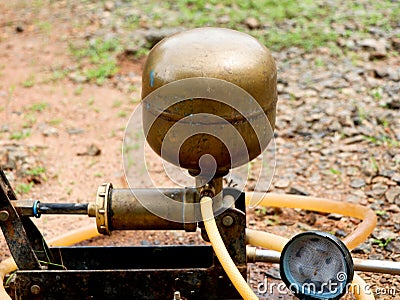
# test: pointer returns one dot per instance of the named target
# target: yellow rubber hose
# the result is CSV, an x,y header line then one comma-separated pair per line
x,y
72,237
220,251
359,235
275,242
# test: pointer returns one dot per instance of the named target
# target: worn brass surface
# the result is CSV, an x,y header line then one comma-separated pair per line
x,y
213,53
121,209
128,213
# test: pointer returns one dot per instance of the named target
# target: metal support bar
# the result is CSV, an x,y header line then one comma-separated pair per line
x,y
362,265
14,231
31,208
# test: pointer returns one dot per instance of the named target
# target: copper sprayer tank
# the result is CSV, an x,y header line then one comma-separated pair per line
x,y
233,57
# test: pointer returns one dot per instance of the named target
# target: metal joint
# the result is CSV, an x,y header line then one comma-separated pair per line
x,y
102,208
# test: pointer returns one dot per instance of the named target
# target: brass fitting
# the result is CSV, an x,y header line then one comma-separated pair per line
x,y
100,209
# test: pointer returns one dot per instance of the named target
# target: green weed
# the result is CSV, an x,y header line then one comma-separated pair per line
x,y
19,135
384,243
29,82
39,107
24,188
36,171
99,56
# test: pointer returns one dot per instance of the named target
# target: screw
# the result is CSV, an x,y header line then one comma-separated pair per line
x,y
4,215
227,221
177,295
35,289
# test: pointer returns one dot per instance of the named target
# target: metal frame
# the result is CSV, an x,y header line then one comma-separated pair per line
x,y
145,272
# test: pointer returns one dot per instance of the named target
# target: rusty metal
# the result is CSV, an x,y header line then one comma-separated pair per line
x,y
145,272
14,231
234,236
209,53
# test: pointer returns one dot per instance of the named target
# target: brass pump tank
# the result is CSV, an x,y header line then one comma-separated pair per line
x,y
213,53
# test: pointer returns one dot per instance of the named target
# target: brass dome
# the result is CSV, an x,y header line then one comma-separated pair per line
x,y
214,53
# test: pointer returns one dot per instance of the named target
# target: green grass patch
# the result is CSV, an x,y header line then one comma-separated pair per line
x,y
36,171
55,122
24,188
97,58
38,107
19,135
29,82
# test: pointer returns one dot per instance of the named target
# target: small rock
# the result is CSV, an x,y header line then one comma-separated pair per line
x,y
328,94
377,55
396,43
91,150
393,103
47,130
357,183
273,273
282,183
363,248
335,216
384,234
386,173
109,5
381,71
379,189
19,29
394,74
310,219
77,77
153,36
393,246
373,44
72,131
393,194
223,19
298,191
396,218
340,233
252,23
376,256
394,208
5,128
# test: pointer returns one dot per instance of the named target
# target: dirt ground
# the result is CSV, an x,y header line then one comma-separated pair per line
x,y
54,121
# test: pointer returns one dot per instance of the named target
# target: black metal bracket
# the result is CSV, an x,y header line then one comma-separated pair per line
x,y
24,240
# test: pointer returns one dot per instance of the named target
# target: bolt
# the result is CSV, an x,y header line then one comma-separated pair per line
x,y
35,289
4,215
227,221
177,295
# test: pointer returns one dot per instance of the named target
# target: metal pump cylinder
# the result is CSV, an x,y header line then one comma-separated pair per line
x,y
120,209
220,86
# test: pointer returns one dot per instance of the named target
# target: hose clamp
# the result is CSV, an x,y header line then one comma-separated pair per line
x,y
35,209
